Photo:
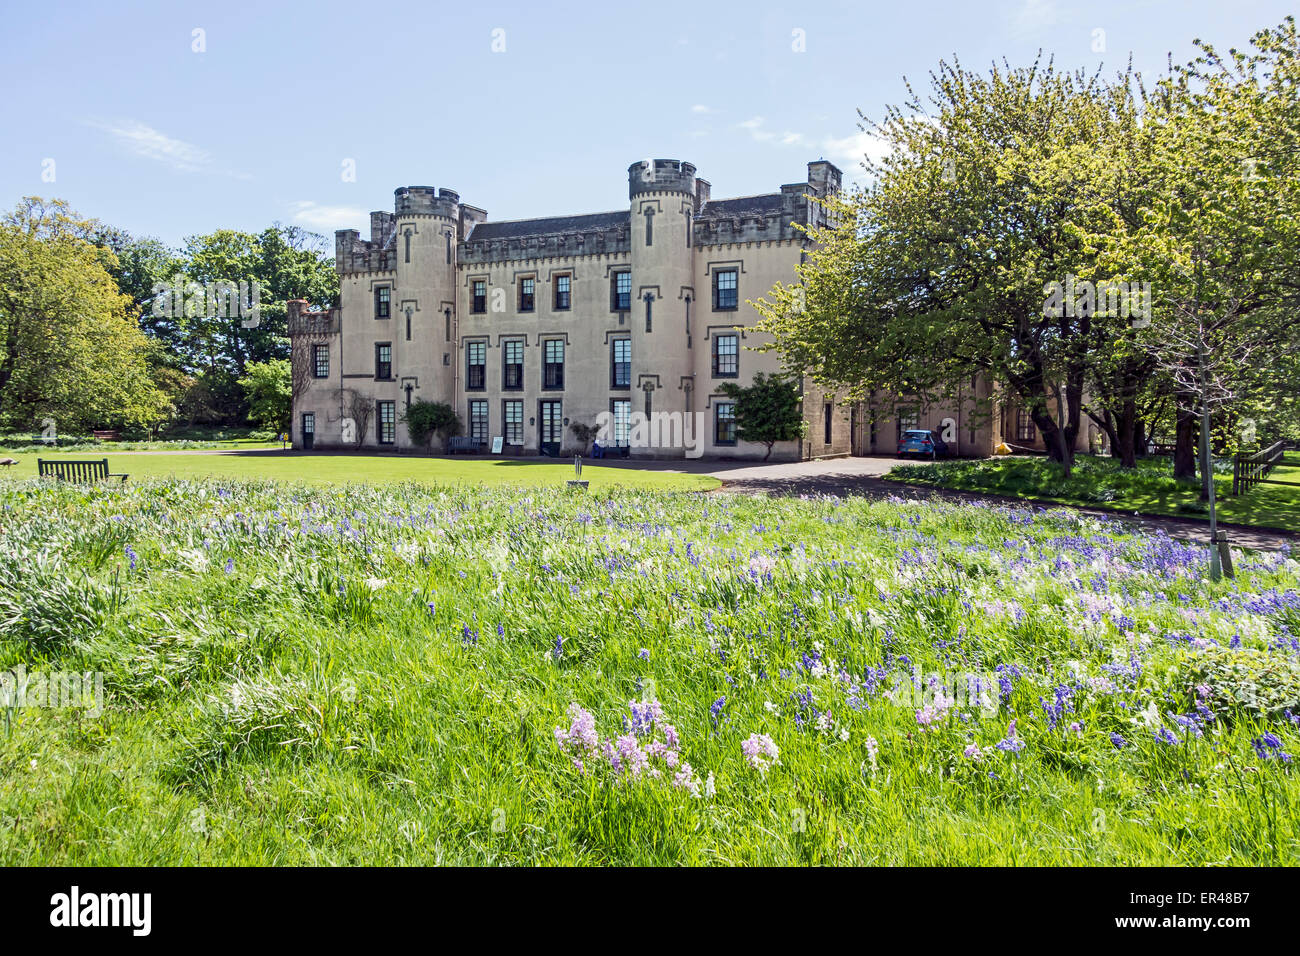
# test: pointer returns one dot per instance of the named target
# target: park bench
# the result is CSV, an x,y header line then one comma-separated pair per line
x,y
104,435
461,443
78,471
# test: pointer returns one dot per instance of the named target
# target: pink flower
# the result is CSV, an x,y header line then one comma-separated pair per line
x,y
761,752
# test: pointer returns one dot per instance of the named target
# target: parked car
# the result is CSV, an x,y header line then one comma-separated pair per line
x,y
923,443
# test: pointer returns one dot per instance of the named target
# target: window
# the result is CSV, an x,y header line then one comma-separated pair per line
x,y
649,227
1025,430
383,301
621,292
553,364
726,356
407,235
387,422
478,421
622,409
826,423
562,298
649,302
907,418
552,424
476,365
725,295
620,368
408,323
383,360
724,423
526,294
513,413
512,367
321,359
479,305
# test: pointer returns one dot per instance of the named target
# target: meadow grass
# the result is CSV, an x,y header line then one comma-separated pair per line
x,y
299,674
1150,488
376,469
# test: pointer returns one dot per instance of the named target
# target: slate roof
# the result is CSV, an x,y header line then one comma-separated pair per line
x,y
549,226
743,206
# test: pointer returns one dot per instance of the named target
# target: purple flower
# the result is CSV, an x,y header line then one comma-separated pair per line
x,y
761,752
644,654
1119,742
558,650
130,556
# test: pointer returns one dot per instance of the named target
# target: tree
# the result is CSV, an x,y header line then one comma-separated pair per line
x,y
584,433
70,346
424,419
267,387
767,411
359,409
938,271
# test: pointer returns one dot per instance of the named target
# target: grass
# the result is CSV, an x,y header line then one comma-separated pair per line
x,y
405,674
374,469
1102,483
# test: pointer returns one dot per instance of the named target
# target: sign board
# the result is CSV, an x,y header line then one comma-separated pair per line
x,y
497,443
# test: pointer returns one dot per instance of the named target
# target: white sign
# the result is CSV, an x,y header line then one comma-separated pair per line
x,y
497,443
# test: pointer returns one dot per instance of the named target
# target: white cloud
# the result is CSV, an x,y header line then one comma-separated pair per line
x,y
148,142
847,152
143,140
328,218
1034,16
701,108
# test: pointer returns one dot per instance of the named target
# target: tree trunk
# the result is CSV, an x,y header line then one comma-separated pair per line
x,y
1130,434
1185,439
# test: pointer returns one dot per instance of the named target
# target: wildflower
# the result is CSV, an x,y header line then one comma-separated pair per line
x,y
873,749
710,787
1119,742
468,636
581,735
715,710
130,556
1010,743
230,565
558,650
1076,728
644,654
973,753
1269,747
760,752
686,780
1166,736
501,630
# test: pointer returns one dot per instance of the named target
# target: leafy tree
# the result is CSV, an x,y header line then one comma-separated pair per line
x,y
267,388
767,411
70,346
584,433
425,419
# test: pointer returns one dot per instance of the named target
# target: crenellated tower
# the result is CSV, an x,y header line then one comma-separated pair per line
x,y
662,194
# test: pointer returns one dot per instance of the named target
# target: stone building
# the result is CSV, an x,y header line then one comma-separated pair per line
x,y
630,320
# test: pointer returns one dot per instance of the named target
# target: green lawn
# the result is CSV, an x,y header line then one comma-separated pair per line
x,y
372,469
298,674
1101,483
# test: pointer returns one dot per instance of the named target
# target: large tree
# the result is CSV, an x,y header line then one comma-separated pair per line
x,y
71,349
937,271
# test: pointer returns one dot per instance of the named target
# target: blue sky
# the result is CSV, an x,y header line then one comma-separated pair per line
x,y
147,134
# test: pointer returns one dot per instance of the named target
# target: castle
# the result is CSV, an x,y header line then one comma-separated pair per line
x,y
526,327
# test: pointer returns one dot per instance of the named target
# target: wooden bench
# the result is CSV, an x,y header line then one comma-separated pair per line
x,y
461,443
104,435
78,471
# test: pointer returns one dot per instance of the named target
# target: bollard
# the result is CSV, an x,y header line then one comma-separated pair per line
x,y
1225,552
